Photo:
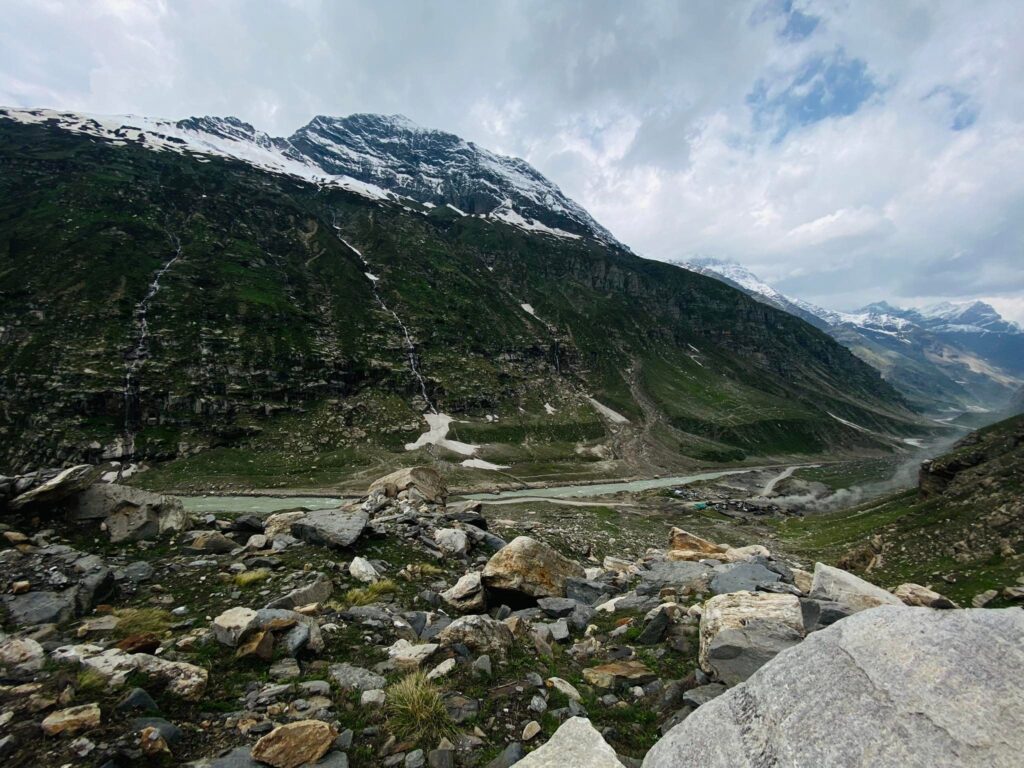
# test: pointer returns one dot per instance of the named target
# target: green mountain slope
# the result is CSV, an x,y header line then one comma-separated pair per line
x,y
269,356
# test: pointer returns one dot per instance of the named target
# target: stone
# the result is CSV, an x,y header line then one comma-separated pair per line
x,y
130,514
741,577
479,633
72,720
915,594
292,745
467,596
530,730
557,607
316,592
41,607
330,527
138,571
741,631
511,755
137,700
619,674
285,669
182,679
803,580
564,687
680,539
819,614
655,629
749,552
680,575
426,480
702,694
372,699
482,666
451,541
352,678
529,568
259,644
214,542
843,587
21,656
281,523
984,598
575,743
444,668
415,759
411,656
362,570
461,708
232,624
584,591
889,686
67,483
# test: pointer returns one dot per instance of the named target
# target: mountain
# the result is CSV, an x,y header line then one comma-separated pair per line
x,y
199,294
942,359
961,530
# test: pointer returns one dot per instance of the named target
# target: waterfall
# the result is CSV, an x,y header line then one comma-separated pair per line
x,y
135,357
410,347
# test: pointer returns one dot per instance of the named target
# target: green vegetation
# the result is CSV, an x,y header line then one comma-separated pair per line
x,y
137,621
372,593
248,578
415,710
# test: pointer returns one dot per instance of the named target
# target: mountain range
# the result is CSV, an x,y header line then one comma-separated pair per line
x,y
261,311
945,359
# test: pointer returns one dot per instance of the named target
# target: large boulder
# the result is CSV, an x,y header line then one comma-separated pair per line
x,y
130,514
294,744
575,743
526,567
425,480
741,631
890,687
678,539
843,587
331,527
479,633
467,596
67,483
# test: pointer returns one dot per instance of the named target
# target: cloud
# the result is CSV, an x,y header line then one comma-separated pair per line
x,y
849,151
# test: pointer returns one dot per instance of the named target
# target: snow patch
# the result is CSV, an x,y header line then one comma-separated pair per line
x,y
528,309
371,277
608,413
481,464
550,409
437,434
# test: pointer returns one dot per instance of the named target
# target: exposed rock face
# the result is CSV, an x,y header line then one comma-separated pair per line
x,y
575,743
67,483
185,680
528,567
330,527
130,514
843,587
426,480
740,632
899,682
291,745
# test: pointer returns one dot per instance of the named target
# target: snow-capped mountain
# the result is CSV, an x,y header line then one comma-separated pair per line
x,y
943,356
385,157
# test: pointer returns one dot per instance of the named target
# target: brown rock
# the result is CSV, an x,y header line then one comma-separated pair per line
x,y
20,587
143,642
619,674
915,594
260,644
72,720
291,745
680,539
530,568
424,479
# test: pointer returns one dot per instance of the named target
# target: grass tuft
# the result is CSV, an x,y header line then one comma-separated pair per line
x,y
415,710
136,621
371,593
90,683
245,578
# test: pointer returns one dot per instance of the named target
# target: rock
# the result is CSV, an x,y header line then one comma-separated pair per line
x,y
372,699
482,666
292,745
557,607
232,624
619,674
584,591
451,541
285,669
843,587
351,678
680,539
259,644
281,523
527,567
741,631
67,483
330,527
182,679
467,596
461,708
415,759
41,607
211,541
983,599
21,656
899,682
72,720
819,614
803,580
564,687
409,656
130,514
138,571
575,743
531,729
679,575
444,668
915,594
740,554
702,694
479,633
362,569
426,480
316,592
137,700
511,755
654,629
741,577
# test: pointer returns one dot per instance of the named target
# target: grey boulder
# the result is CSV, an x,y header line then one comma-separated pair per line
x,y
330,527
890,687
575,743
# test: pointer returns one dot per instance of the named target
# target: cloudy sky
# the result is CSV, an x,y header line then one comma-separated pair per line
x,y
847,151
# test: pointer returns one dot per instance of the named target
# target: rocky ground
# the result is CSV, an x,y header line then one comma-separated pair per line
x,y
407,630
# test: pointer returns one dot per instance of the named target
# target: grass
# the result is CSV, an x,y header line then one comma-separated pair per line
x,y
372,593
89,683
137,621
247,578
415,710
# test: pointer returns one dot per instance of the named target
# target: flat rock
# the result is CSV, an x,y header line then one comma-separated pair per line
x,y
72,720
889,687
619,674
292,745
41,607
843,587
575,743
330,527
741,577
316,592
741,631
67,483
680,574
232,624
352,678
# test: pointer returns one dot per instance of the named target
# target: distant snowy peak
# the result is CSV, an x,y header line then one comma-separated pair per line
x,y
733,272
973,317
379,156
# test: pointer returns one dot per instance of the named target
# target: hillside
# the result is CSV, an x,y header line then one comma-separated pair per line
x,y
942,359
961,529
268,326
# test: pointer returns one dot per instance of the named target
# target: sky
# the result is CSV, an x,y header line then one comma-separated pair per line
x,y
845,151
